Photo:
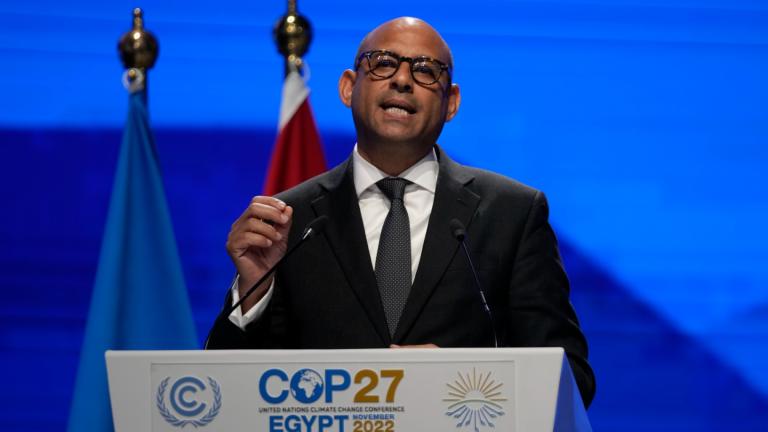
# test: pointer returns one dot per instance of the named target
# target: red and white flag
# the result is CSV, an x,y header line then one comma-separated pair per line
x,y
298,154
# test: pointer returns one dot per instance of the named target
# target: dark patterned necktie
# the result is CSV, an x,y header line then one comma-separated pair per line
x,y
393,259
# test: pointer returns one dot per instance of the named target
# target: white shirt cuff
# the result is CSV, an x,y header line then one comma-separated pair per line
x,y
236,317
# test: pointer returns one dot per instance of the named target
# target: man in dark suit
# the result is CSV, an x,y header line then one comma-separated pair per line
x,y
365,284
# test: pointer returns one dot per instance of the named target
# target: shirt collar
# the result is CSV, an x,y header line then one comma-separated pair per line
x,y
423,173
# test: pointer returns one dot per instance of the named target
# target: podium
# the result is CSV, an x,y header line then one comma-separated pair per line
x,y
376,390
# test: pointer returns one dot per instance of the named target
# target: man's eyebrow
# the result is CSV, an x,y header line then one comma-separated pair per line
x,y
412,57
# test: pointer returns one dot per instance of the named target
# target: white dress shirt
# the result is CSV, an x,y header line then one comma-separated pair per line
x,y
374,206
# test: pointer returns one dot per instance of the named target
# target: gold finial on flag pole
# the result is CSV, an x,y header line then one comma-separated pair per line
x,y
293,35
138,51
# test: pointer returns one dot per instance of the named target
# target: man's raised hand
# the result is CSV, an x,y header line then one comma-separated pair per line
x,y
257,240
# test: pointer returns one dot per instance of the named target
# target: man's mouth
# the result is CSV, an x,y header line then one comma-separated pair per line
x,y
398,107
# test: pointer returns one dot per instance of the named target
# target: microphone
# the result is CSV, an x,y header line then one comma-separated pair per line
x,y
460,234
315,227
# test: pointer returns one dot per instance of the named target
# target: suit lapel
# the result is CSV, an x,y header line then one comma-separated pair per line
x,y
452,200
346,235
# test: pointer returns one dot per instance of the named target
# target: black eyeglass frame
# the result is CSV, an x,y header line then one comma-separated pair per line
x,y
400,59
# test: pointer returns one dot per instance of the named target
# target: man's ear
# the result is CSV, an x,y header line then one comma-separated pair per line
x,y
454,100
346,84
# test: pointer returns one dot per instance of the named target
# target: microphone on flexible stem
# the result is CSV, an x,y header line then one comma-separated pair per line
x,y
312,229
460,234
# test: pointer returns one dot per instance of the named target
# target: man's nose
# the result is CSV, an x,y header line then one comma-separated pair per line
x,y
402,80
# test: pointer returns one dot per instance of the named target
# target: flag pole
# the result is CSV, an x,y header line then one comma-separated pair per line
x,y
292,34
138,50
139,298
298,153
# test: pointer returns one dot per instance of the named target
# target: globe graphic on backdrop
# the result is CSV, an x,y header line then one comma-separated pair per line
x,y
306,386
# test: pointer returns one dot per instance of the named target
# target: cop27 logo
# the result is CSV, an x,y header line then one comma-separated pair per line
x,y
474,400
189,398
308,386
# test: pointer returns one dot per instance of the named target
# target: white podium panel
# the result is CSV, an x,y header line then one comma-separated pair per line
x,y
386,390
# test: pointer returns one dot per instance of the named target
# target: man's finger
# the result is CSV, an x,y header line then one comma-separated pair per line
x,y
262,227
272,201
246,240
266,212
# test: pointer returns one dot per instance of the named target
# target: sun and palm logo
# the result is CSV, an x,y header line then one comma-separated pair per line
x,y
474,400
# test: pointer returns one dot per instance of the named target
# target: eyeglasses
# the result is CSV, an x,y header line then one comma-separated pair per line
x,y
384,64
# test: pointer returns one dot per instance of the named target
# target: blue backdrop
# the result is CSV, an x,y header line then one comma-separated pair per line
x,y
645,121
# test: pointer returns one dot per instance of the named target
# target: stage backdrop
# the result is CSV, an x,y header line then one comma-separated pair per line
x,y
644,121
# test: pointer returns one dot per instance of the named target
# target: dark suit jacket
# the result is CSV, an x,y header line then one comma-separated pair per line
x,y
326,294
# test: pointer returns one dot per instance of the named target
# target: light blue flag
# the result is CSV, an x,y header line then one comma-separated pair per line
x,y
139,299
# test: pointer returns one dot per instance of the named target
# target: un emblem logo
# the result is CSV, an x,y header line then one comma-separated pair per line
x,y
188,397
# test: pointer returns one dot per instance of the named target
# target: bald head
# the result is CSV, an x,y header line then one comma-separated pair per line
x,y
398,113
404,26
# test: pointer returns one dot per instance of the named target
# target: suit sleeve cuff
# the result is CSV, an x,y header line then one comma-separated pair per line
x,y
242,320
